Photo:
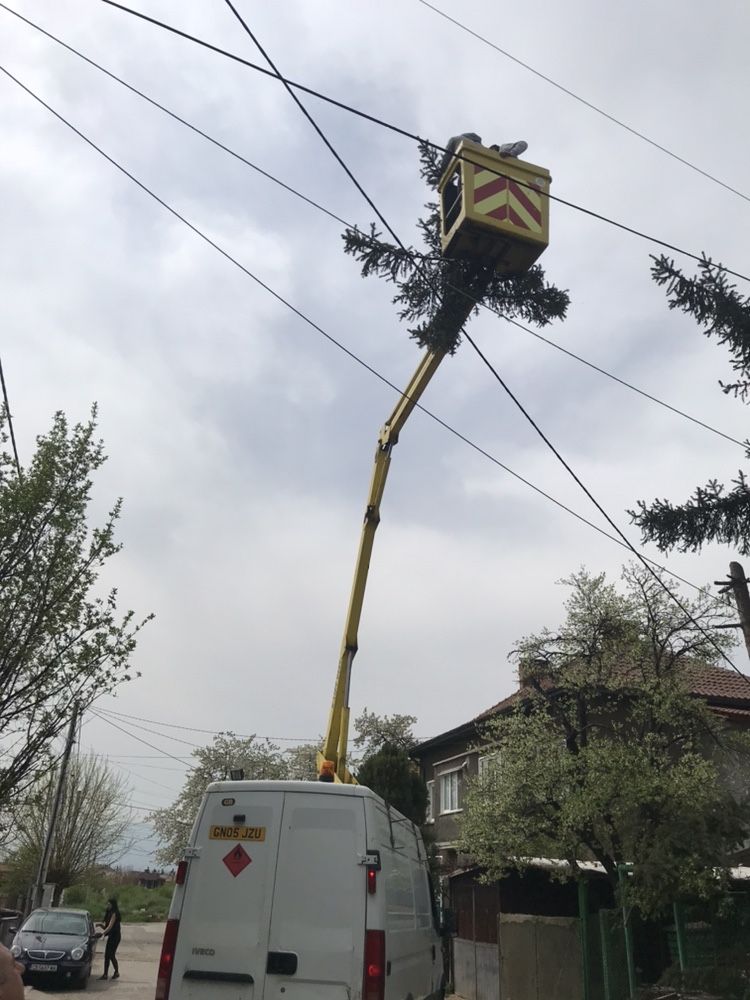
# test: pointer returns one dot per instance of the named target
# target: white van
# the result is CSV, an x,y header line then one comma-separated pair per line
x,y
298,890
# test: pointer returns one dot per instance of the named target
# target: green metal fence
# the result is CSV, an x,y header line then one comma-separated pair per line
x,y
615,983
702,936
696,940
606,951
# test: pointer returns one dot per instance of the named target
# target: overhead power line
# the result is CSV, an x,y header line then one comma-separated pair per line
x,y
133,736
215,732
212,732
621,381
321,208
9,418
126,769
307,115
569,469
178,118
506,388
582,100
409,135
332,339
154,732
151,767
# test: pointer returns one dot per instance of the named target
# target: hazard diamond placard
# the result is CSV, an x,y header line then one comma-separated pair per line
x,y
237,860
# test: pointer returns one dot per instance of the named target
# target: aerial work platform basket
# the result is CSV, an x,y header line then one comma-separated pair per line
x,y
493,207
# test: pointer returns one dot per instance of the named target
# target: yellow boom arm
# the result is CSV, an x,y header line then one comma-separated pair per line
x,y
332,760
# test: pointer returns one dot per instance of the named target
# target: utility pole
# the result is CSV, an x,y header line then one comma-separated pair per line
x,y
737,583
41,877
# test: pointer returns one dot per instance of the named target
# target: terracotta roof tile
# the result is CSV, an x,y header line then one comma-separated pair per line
x,y
719,685
730,712
720,682
726,691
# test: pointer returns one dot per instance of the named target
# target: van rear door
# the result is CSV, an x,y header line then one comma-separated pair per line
x,y
222,944
316,945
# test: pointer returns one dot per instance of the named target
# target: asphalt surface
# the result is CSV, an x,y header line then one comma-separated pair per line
x,y
138,956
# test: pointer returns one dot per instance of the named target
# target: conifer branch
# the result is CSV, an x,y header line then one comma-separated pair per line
x,y
435,294
713,513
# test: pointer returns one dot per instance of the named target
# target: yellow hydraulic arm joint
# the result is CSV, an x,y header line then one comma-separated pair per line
x,y
332,758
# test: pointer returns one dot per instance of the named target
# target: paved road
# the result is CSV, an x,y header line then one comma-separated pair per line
x,y
138,955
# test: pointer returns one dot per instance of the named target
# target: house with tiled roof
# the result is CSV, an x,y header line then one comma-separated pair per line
x,y
447,762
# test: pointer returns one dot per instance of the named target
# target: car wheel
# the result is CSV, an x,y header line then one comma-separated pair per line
x,y
83,980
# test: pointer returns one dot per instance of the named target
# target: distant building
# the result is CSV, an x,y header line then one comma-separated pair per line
x,y
146,879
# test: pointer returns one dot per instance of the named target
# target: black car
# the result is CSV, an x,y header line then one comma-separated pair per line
x,y
56,944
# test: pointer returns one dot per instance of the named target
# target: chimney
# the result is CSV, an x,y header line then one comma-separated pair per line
x,y
536,668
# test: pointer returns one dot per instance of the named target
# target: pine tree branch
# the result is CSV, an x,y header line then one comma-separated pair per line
x,y
710,515
436,295
716,306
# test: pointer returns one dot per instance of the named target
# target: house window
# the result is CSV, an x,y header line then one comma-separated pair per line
x,y
488,762
449,792
430,814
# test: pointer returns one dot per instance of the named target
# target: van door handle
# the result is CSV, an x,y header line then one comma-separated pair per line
x,y
433,953
387,968
281,963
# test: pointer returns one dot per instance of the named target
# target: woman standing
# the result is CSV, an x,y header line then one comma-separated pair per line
x,y
111,932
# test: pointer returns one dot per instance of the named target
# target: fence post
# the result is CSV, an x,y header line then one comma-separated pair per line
x,y
606,970
583,927
679,930
632,985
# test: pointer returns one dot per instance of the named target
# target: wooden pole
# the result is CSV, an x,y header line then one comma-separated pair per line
x,y
738,583
44,861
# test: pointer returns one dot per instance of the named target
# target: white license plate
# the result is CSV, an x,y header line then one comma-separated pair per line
x,y
38,967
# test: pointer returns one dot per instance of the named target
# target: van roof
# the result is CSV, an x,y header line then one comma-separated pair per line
x,y
316,787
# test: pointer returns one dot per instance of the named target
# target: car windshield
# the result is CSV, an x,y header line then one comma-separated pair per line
x,y
57,923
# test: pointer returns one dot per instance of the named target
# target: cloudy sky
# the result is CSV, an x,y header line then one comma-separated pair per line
x,y
242,441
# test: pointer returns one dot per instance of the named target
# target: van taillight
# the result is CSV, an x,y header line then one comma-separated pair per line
x,y
166,962
374,980
181,873
372,881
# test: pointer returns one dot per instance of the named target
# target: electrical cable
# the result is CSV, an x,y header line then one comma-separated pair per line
x,y
620,381
164,753
211,732
645,562
349,225
307,115
582,100
349,173
154,732
169,208
143,777
149,793
332,339
411,135
9,418
177,118
151,767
